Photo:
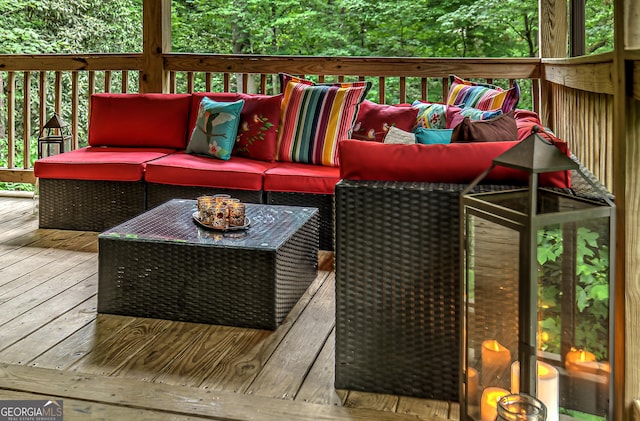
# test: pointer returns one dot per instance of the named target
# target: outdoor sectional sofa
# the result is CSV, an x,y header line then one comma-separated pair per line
x,y
396,215
136,160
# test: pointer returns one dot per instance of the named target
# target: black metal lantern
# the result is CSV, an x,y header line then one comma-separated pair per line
x,y
55,137
537,290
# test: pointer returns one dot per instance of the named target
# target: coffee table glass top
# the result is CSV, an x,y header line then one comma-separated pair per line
x,y
172,222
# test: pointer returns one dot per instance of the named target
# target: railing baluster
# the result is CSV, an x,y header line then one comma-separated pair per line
x,y
11,119
445,88
190,79
26,121
403,90
225,83
43,99
172,82
58,93
381,94
125,82
207,81
90,91
245,83
263,83
75,109
424,89
107,81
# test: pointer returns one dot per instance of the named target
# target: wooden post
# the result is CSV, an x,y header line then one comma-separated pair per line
x,y
553,36
626,176
156,35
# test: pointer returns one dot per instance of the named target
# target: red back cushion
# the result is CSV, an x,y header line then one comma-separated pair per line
x,y
139,120
452,163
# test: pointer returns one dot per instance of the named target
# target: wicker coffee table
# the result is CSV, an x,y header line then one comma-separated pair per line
x,y
161,264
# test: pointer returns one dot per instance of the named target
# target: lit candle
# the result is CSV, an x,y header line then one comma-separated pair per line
x,y
496,360
579,360
472,386
547,385
489,402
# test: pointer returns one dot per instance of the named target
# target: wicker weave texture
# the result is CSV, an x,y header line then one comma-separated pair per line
x,y
88,205
324,202
204,283
158,194
397,288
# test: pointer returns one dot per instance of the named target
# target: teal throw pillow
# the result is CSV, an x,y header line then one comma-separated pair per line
x,y
216,128
431,115
433,136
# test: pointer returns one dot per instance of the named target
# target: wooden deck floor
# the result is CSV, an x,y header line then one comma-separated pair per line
x,y
53,344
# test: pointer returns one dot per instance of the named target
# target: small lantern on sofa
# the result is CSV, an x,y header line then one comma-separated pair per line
x,y
537,288
54,139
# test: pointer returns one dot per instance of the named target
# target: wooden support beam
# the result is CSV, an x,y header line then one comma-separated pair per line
x,y
156,35
632,24
553,24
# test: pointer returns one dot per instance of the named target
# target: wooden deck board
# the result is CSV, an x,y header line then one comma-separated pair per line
x,y
53,344
318,384
280,377
50,334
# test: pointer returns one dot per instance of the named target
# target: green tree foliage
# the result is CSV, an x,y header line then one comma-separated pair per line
x,y
70,26
419,28
599,27
591,309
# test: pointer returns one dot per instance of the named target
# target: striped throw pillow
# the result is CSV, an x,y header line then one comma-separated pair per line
x,y
315,117
482,96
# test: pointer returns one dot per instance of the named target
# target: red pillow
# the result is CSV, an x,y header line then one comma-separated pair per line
x,y
373,120
258,130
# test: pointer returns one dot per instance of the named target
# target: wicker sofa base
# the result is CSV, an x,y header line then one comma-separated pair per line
x,y
398,287
88,205
97,205
324,203
158,194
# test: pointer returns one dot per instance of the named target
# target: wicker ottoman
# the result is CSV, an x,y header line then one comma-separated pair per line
x,y
161,264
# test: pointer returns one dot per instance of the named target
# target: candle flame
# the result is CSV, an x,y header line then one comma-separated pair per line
x,y
543,370
583,356
493,345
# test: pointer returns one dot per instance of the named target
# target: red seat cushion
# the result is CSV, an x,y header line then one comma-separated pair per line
x,y
301,178
98,163
452,163
184,169
139,120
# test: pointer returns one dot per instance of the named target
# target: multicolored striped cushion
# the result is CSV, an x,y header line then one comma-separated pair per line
x,y
314,117
482,95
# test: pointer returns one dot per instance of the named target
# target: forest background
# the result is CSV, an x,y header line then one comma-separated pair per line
x,y
388,28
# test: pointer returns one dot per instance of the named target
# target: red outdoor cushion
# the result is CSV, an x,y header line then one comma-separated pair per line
x,y
301,178
373,120
258,129
184,169
526,121
98,163
452,163
139,120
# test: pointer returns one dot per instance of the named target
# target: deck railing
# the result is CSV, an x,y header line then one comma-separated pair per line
x,y
32,87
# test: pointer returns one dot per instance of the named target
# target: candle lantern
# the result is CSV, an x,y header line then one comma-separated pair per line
x,y
55,137
537,287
